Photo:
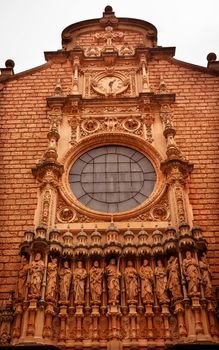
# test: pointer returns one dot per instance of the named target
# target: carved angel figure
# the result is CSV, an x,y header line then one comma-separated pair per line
x,y
173,283
65,276
22,279
190,270
161,283
96,278
36,269
206,276
146,275
80,275
131,282
113,276
51,279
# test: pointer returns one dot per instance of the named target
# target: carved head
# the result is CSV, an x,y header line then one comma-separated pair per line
x,y
188,254
37,256
96,263
145,262
66,264
159,263
129,263
54,260
112,262
23,259
79,264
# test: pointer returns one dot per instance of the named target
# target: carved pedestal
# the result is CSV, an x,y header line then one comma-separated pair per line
x,y
197,308
133,315
95,322
18,314
79,316
166,314
63,316
49,313
179,311
31,317
149,316
113,315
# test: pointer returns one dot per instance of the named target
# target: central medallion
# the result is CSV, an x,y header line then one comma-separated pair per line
x,y
112,179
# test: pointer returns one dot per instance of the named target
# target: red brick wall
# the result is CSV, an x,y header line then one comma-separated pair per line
x,y
196,119
24,127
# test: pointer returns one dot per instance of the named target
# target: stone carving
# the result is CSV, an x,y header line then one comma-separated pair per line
x,y
36,271
80,275
146,275
161,283
90,126
113,276
131,283
173,283
92,51
131,124
65,276
190,270
51,279
126,50
22,279
66,214
109,35
96,279
206,276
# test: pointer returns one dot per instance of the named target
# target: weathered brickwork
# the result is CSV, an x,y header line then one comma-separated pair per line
x,y
24,127
23,135
109,208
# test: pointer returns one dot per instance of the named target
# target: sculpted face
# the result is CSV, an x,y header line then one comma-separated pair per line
x,y
159,263
37,256
145,262
66,265
96,263
23,259
54,260
188,255
129,263
80,264
112,262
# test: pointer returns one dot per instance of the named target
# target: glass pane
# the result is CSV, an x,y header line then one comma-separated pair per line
x,y
112,178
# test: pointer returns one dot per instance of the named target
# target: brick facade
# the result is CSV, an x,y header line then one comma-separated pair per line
x,y
24,126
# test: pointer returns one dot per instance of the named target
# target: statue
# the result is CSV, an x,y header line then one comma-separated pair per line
x,y
113,276
206,276
173,283
161,283
80,275
190,270
65,276
51,279
22,279
146,275
131,283
36,271
96,277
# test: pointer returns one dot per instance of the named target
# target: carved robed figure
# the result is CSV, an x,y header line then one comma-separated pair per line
x,y
80,275
96,278
36,269
146,275
65,276
113,276
131,283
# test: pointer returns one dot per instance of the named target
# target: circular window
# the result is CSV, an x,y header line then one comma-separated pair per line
x,y
112,179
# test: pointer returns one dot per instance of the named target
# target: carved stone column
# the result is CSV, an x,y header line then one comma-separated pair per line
x,y
48,172
176,168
